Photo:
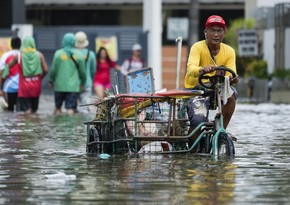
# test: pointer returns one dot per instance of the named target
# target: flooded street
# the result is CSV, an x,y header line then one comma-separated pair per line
x,y
43,161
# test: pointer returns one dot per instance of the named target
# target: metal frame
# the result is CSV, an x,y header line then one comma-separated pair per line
x,y
140,81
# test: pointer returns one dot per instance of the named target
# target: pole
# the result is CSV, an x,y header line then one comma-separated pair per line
x,y
152,23
193,22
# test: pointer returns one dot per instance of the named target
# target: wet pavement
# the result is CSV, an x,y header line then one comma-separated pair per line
x,y
43,161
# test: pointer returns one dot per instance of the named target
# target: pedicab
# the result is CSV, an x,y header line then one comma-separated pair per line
x,y
145,121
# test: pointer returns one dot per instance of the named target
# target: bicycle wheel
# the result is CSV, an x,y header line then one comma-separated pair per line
x,y
225,146
93,136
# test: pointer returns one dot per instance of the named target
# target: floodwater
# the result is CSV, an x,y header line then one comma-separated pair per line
x,y
43,161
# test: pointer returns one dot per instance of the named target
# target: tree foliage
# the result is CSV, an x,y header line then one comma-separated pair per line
x,y
246,66
233,29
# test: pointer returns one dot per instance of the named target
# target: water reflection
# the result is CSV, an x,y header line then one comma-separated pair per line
x,y
263,154
175,179
213,183
43,161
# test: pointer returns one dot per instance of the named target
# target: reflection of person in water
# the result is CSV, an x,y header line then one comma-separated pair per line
x,y
169,178
213,184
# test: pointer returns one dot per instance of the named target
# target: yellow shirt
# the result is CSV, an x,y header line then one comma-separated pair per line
x,y
199,57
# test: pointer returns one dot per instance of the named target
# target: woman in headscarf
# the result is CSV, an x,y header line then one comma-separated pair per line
x,y
33,68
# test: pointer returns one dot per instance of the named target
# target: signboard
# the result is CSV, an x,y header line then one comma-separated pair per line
x,y
247,43
110,43
4,45
177,27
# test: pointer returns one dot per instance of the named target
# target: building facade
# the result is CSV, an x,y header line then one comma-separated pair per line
x,y
89,14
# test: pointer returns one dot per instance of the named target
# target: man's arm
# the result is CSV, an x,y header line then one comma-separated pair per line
x,y
125,67
82,70
231,63
51,74
2,67
193,68
193,63
1,81
3,60
43,64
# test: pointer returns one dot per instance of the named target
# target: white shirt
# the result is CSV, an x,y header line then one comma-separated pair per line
x,y
6,55
131,66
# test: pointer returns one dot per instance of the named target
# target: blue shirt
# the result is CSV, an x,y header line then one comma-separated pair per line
x,y
11,84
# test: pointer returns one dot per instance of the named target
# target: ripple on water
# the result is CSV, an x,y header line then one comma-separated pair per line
x,y
44,162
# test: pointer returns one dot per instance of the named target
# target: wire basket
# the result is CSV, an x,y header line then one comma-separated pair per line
x,y
138,123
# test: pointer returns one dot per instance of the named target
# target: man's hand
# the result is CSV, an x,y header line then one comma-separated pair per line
x,y
50,85
234,80
207,69
82,87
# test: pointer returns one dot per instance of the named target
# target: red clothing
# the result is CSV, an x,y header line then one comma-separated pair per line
x,y
14,69
29,86
102,75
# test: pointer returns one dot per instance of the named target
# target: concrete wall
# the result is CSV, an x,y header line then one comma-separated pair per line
x,y
259,92
287,48
280,91
169,54
250,6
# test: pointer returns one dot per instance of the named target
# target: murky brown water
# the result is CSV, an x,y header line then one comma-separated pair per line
x,y
43,161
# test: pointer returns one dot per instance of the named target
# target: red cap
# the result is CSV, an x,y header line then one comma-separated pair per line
x,y
215,20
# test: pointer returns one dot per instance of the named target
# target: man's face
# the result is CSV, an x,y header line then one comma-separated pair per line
x,y
137,53
214,34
